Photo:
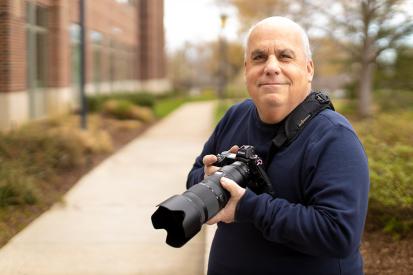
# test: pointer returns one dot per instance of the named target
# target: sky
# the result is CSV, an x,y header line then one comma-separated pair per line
x,y
195,21
199,21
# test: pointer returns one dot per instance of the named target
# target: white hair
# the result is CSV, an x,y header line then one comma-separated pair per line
x,y
279,20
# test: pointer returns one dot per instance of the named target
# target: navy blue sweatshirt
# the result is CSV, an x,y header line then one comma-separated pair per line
x,y
314,223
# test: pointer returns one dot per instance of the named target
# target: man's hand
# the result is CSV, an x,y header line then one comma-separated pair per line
x,y
227,214
208,160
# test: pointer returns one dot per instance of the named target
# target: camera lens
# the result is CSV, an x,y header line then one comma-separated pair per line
x,y
183,215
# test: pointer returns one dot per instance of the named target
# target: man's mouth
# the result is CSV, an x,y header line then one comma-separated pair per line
x,y
273,84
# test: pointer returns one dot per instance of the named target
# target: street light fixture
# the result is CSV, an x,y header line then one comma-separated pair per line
x,y
223,20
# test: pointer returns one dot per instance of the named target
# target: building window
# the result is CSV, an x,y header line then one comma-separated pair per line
x,y
74,34
36,34
37,57
97,39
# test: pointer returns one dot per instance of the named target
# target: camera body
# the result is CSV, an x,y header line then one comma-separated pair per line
x,y
183,215
257,179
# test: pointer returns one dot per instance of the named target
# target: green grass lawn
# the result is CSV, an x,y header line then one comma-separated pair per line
x,y
164,107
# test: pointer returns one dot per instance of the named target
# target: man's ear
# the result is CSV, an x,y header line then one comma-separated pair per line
x,y
310,70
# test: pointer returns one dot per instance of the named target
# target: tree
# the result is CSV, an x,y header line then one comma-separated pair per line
x,y
365,29
330,65
250,11
196,65
396,73
403,69
362,28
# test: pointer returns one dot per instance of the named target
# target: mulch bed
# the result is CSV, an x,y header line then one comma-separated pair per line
x,y
18,217
384,255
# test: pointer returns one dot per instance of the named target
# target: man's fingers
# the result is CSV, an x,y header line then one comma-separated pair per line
x,y
209,169
229,185
228,212
232,187
234,149
209,159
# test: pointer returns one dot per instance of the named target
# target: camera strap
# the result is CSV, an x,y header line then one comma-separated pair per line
x,y
293,124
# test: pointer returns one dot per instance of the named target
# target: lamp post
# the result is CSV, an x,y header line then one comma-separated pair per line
x,y
222,77
82,69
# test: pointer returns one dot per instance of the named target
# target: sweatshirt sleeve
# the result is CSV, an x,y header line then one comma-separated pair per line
x,y
332,221
197,172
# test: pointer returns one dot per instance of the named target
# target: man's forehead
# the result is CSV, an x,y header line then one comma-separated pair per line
x,y
278,27
278,37
270,44
273,44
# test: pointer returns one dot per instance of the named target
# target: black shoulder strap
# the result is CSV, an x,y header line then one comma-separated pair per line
x,y
291,126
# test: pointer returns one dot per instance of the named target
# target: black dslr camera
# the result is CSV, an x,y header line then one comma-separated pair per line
x,y
183,215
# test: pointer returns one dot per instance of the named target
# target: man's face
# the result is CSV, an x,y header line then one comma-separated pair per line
x,y
277,72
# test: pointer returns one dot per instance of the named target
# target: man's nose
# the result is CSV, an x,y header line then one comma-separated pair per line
x,y
272,66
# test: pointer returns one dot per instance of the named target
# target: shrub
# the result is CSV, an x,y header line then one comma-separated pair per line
x,y
390,173
140,99
31,157
43,152
388,142
119,109
91,141
394,100
123,109
143,114
96,103
16,186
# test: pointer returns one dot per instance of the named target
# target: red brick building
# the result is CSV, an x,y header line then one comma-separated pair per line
x,y
40,53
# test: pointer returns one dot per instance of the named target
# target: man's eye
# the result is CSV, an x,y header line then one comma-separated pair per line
x,y
258,57
285,56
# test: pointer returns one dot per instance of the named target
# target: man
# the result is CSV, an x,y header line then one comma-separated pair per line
x,y
314,222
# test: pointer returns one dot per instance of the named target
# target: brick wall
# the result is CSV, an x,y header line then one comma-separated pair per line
x,y
17,45
115,21
4,45
152,54
132,34
145,37
58,48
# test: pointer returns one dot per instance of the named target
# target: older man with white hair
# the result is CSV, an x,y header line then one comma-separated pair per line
x,y
313,222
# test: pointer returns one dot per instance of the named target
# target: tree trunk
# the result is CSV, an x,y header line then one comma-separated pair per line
x,y
365,89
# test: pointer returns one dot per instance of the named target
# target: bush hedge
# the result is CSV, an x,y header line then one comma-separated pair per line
x,y
33,156
388,141
387,137
96,102
124,109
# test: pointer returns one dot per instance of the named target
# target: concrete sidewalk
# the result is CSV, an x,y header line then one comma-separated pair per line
x,y
103,225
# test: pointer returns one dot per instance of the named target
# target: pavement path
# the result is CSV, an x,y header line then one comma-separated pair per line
x,y
103,226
